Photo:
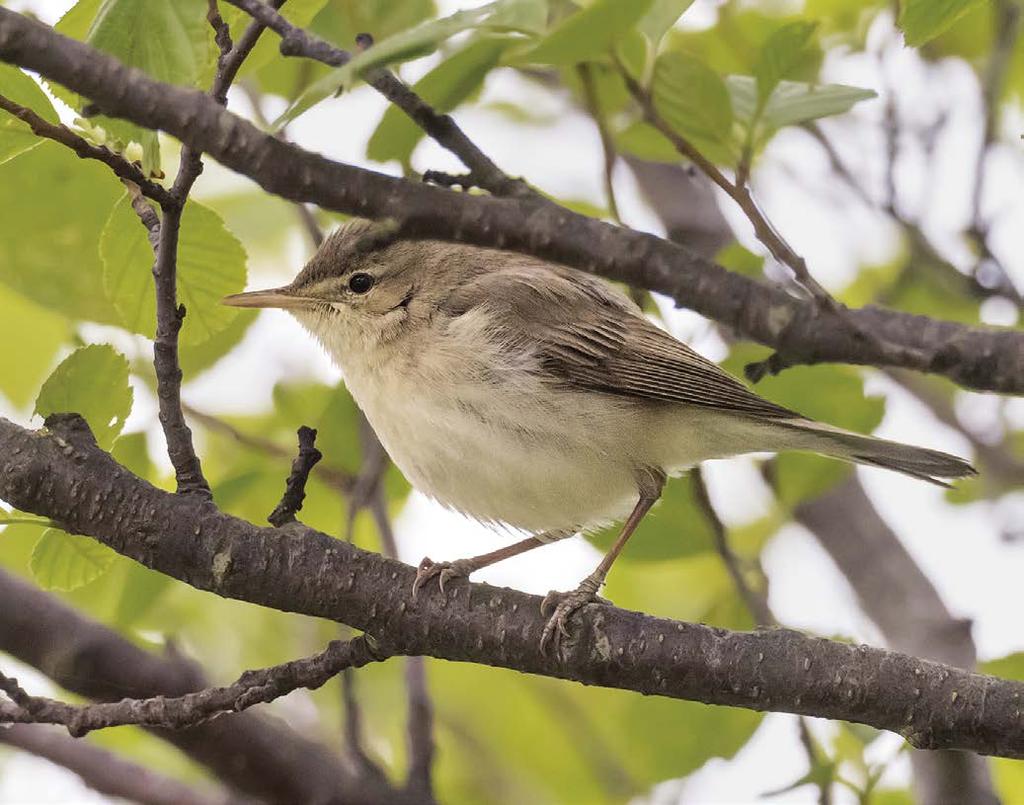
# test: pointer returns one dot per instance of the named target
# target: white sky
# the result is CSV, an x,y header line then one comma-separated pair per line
x,y
958,547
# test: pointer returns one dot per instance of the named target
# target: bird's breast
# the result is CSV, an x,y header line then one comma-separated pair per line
x,y
496,442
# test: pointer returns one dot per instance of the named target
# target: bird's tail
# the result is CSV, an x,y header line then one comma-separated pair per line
x,y
917,462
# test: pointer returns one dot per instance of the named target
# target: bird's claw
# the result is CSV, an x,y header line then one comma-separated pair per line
x,y
561,606
445,572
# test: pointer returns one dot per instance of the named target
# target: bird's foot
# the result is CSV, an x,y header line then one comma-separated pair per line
x,y
561,606
445,572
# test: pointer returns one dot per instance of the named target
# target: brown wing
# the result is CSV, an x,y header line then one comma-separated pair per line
x,y
589,335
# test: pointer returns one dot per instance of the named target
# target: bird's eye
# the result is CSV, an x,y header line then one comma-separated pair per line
x,y
360,283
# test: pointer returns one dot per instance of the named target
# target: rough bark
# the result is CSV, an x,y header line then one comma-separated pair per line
x,y
802,331
60,473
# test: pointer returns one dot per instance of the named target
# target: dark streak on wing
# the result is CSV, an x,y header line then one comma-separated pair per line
x,y
589,335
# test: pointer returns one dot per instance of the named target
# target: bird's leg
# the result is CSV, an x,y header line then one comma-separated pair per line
x,y
445,571
562,605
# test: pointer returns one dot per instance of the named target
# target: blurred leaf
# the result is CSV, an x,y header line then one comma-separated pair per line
x,y
631,51
692,98
1009,667
832,394
334,414
211,264
15,136
50,250
586,34
63,562
91,381
661,16
140,588
24,368
676,527
403,46
445,87
792,101
641,139
263,222
740,260
789,53
196,359
922,20
695,588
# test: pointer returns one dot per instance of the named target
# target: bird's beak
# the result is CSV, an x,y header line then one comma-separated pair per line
x,y
283,298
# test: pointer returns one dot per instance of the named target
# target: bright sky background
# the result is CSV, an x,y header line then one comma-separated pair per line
x,y
960,548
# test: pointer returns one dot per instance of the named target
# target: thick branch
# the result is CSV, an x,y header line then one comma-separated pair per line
x,y
61,473
254,754
977,357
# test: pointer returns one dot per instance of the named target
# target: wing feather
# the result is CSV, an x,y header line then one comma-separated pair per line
x,y
588,335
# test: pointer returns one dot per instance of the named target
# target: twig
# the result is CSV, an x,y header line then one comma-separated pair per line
x,y
333,476
442,128
252,687
86,150
756,603
169,314
593,105
106,772
295,486
975,357
738,192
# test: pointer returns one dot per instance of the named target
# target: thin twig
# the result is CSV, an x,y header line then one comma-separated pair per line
x,y
252,687
295,486
86,150
755,602
442,128
593,105
738,192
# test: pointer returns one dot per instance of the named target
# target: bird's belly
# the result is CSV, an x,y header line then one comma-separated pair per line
x,y
538,472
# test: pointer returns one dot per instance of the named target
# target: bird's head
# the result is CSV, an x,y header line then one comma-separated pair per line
x,y
362,288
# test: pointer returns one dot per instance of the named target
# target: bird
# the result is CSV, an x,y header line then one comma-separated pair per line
x,y
531,395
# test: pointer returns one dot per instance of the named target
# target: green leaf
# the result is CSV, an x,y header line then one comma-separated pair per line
x,y
211,264
792,102
171,41
91,381
676,527
413,43
64,562
641,139
692,98
48,251
444,88
784,54
24,368
196,359
922,20
16,137
661,16
588,33
831,394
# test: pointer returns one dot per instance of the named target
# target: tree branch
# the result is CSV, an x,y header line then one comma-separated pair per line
x,y
257,755
442,128
978,357
104,771
190,709
121,167
61,473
